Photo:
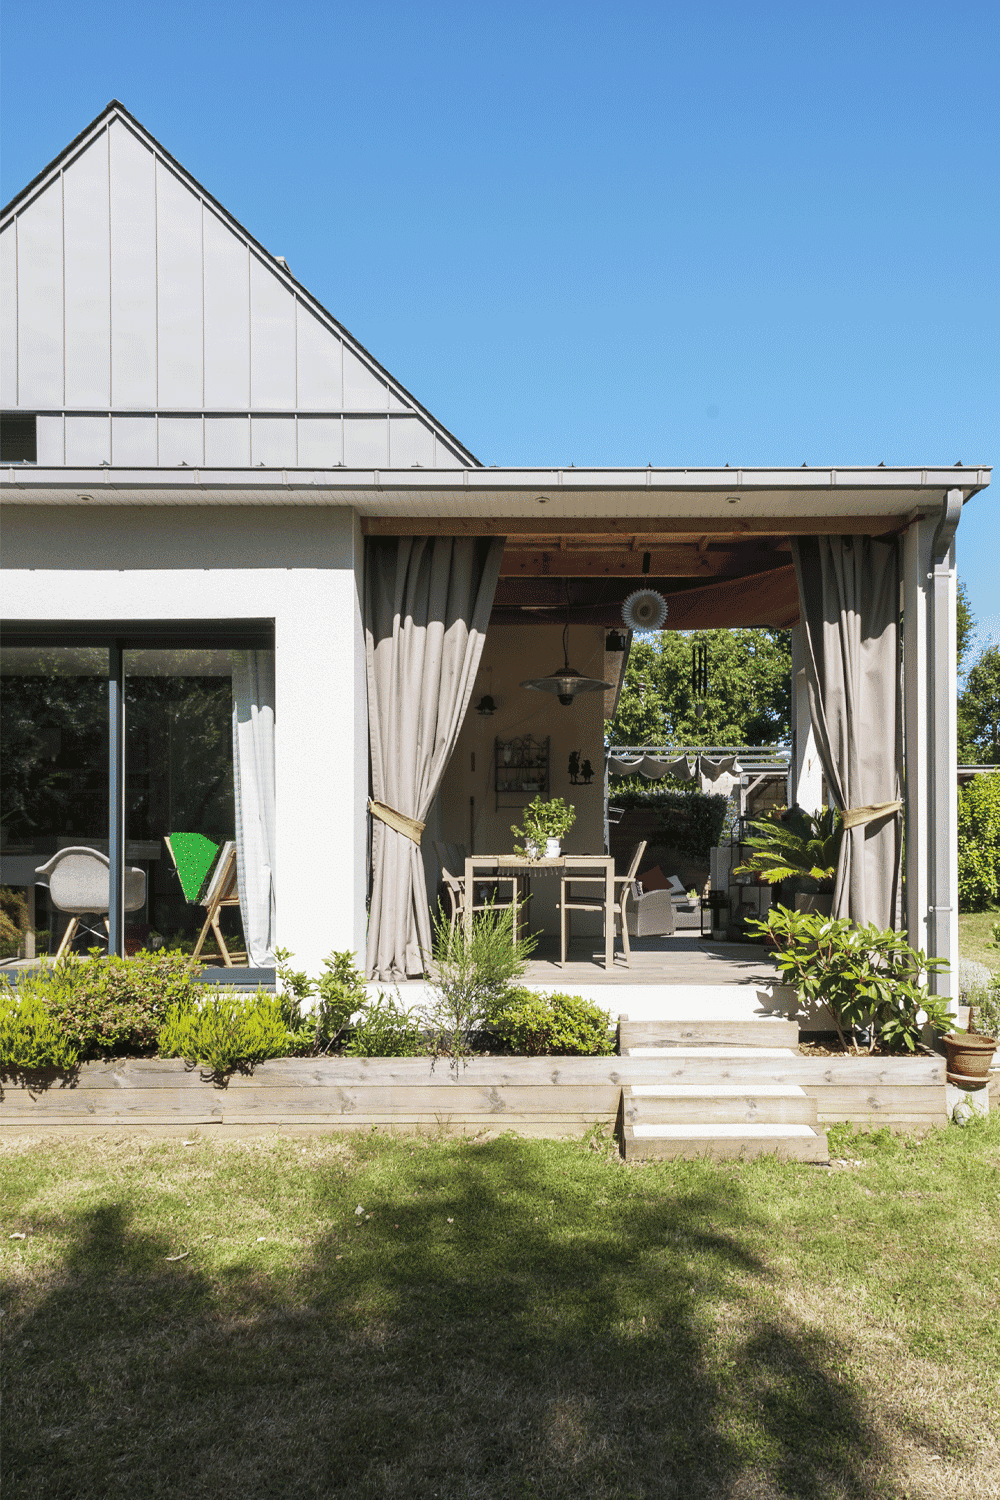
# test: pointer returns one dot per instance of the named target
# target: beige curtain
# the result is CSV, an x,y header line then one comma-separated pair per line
x,y
427,606
849,601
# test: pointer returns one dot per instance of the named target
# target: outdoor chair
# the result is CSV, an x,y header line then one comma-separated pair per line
x,y
79,881
208,878
569,902
485,894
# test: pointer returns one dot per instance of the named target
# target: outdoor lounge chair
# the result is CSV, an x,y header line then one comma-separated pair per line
x,y
569,903
79,881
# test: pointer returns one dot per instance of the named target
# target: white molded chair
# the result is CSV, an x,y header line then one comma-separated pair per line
x,y
569,903
79,881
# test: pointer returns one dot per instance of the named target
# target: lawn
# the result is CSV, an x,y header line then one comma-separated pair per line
x,y
394,1317
974,931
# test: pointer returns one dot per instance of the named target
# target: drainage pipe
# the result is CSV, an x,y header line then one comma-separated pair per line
x,y
942,748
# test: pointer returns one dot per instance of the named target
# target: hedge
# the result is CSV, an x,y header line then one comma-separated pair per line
x,y
979,843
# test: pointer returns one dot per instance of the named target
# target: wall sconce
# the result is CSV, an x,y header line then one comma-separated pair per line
x,y
616,641
486,707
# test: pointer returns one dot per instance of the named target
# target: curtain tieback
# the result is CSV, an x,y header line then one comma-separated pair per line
x,y
411,828
856,817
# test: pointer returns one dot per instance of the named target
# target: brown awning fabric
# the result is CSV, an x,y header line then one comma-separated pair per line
x,y
769,598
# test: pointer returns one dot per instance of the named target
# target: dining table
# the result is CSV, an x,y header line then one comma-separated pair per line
x,y
518,868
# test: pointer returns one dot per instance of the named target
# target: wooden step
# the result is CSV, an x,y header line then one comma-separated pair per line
x,y
762,1031
720,1142
718,1104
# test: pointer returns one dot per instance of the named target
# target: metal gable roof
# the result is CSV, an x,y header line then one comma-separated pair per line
x,y
88,187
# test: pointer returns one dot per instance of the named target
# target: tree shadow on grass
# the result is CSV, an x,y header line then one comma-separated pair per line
x,y
487,1332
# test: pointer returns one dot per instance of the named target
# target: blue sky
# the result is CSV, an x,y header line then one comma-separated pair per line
x,y
669,234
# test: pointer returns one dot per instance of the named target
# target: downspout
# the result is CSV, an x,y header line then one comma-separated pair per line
x,y
941,913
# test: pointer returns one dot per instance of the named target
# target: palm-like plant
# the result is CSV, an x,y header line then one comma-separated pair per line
x,y
798,846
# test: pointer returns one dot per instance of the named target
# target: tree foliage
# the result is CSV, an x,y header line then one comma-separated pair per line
x,y
979,711
749,696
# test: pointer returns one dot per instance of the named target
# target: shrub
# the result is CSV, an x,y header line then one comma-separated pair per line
x,y
690,822
336,996
109,1006
472,975
13,921
228,1031
869,979
537,1024
979,843
29,1037
385,1028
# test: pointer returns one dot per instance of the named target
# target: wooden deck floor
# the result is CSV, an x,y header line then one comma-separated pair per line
x,y
682,959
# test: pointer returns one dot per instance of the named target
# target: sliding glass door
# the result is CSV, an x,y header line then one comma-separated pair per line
x,y
119,738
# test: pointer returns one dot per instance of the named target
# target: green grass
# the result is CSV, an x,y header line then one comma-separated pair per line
x,y
503,1318
974,932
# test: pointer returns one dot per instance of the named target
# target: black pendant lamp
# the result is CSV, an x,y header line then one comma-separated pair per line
x,y
566,682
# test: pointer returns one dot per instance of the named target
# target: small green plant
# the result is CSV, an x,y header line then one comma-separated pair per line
x,y
472,975
984,1008
319,1010
228,1031
543,820
536,1025
29,1036
798,846
385,1028
869,980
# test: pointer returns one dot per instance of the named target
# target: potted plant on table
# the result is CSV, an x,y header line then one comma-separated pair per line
x,y
545,823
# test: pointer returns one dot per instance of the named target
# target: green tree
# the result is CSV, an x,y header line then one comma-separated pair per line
x,y
749,693
979,710
966,626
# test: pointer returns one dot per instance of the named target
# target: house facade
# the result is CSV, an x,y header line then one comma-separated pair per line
x,y
205,483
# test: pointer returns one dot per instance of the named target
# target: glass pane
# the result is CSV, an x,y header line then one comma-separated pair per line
x,y
53,770
179,781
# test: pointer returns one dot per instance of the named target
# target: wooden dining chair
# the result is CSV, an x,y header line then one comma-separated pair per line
x,y
570,902
485,896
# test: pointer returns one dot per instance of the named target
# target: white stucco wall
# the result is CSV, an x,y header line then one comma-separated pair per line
x,y
299,568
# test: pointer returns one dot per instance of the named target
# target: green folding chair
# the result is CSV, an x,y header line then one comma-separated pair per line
x,y
207,873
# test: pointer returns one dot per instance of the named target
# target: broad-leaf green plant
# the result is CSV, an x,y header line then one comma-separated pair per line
x,y
870,980
543,818
319,1010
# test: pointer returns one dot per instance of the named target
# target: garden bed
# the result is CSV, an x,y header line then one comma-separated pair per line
x,y
539,1096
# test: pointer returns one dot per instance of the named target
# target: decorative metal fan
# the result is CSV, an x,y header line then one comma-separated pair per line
x,y
645,610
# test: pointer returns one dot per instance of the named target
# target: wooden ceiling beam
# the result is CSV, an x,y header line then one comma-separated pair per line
x,y
659,562
623,528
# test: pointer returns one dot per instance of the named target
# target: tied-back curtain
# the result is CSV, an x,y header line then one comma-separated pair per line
x,y
849,600
427,606
253,783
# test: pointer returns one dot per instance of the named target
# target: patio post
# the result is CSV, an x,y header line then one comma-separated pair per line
x,y
943,905
116,801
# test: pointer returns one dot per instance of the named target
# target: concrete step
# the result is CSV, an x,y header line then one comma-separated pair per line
x,y
717,1104
762,1031
721,1142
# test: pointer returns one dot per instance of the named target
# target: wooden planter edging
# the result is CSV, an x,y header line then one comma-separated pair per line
x,y
543,1096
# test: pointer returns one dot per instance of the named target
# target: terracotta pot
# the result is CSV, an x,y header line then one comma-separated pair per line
x,y
969,1055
